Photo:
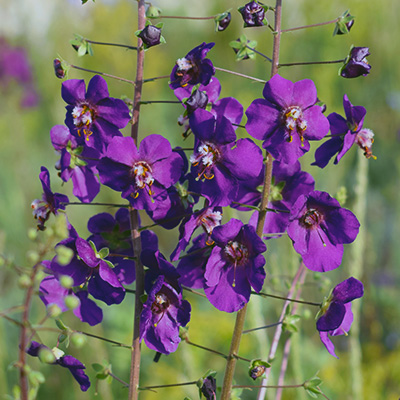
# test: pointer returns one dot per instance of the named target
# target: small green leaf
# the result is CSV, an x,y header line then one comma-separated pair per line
x,y
104,252
82,50
61,325
97,367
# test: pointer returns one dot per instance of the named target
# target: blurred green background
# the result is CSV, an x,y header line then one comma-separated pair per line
x,y
44,28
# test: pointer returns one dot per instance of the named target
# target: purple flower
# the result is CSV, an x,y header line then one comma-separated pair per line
x,y
345,133
356,63
209,388
51,292
219,161
50,203
75,366
253,14
236,265
89,266
318,227
288,183
194,68
192,266
335,316
77,162
93,114
287,118
208,218
163,313
141,175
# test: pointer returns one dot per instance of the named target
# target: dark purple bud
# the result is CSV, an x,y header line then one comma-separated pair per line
x,y
151,35
356,63
59,68
198,99
253,14
209,388
223,23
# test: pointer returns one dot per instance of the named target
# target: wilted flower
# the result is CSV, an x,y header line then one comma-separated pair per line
x,y
335,316
150,35
222,21
356,63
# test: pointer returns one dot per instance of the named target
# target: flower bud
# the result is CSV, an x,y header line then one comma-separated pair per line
x,y
60,68
54,311
209,388
46,356
151,35
253,14
24,281
78,339
71,301
344,24
222,21
66,281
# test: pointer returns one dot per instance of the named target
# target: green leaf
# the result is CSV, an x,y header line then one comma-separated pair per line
x,y
104,252
109,263
61,325
97,367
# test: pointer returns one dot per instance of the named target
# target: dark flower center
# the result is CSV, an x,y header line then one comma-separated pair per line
x,y
207,155
294,121
187,70
238,254
312,218
365,139
143,177
83,117
209,220
160,303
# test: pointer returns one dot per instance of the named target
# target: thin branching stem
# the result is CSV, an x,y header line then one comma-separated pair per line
x,y
310,303
103,74
259,53
310,26
312,63
126,46
239,74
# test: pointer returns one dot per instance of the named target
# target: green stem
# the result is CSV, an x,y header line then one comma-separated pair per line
x,y
134,218
312,63
167,386
310,26
270,386
356,270
105,339
111,44
239,74
77,203
261,54
103,74
287,299
117,379
262,327
181,17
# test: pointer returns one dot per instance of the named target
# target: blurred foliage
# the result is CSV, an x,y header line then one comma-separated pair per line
x,y
46,29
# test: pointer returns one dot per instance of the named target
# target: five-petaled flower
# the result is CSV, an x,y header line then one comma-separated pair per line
x,y
93,114
335,316
319,227
287,118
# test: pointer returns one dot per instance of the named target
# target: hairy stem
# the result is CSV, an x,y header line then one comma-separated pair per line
x,y
278,331
134,218
241,315
288,344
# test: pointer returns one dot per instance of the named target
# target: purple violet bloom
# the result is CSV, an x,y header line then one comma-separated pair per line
x,y
287,118
335,316
163,313
192,266
50,203
356,63
345,133
93,114
288,183
75,366
208,218
51,292
219,161
77,162
228,107
236,265
318,227
194,68
253,14
90,267
141,175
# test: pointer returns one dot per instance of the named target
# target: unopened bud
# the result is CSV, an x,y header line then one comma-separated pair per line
x,y
78,339
71,301
66,281
24,281
60,68
54,310
46,356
